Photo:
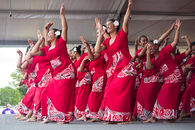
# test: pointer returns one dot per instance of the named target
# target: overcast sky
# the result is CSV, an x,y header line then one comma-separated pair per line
x,y
8,60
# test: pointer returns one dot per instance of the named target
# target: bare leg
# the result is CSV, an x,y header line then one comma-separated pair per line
x,y
125,122
183,114
151,120
32,119
94,120
27,116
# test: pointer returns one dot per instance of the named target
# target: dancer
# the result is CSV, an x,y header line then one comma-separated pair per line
x,y
60,90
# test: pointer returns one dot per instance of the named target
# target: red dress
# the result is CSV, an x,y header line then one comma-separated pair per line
x,y
168,99
121,85
83,87
77,64
109,72
98,72
188,98
60,89
147,93
43,76
27,103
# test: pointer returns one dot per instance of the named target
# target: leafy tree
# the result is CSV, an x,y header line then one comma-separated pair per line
x,y
17,76
9,95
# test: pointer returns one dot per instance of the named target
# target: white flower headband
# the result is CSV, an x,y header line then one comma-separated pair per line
x,y
57,33
75,49
116,23
155,42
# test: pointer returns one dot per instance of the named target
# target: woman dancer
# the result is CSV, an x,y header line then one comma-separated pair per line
x,y
118,96
60,90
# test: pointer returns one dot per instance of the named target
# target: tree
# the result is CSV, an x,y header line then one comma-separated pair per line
x,y
9,95
17,76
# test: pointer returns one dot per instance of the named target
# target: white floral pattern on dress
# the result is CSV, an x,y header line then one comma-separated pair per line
x,y
192,104
55,62
163,68
67,73
55,115
78,114
21,108
110,115
175,77
110,71
86,79
98,85
153,79
161,113
44,80
142,113
128,70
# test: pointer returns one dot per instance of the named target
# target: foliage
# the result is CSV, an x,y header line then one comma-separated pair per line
x,y
17,76
9,95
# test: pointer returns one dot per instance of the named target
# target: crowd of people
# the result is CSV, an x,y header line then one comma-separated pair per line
x,y
103,82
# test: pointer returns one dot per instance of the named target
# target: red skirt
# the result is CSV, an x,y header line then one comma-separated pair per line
x,y
146,97
27,102
188,98
119,95
168,100
96,96
61,98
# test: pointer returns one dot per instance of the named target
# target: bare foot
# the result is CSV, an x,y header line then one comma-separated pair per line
x,y
124,123
94,120
32,119
46,121
151,120
60,122
183,114
19,117
83,118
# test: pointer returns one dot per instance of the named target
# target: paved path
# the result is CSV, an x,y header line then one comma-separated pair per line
x,y
7,122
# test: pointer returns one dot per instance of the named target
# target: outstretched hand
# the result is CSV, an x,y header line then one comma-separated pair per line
x,y
184,37
62,9
19,52
39,35
130,3
149,47
136,42
31,43
86,44
48,25
177,24
98,24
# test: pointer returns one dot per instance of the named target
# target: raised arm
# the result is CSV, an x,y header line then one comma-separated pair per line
x,y
63,22
82,65
91,56
177,32
149,65
188,50
166,42
127,16
101,32
19,62
136,48
46,31
166,34
36,49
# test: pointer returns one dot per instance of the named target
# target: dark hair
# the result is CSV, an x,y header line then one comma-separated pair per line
x,y
192,44
27,49
93,45
143,36
78,49
55,30
113,20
